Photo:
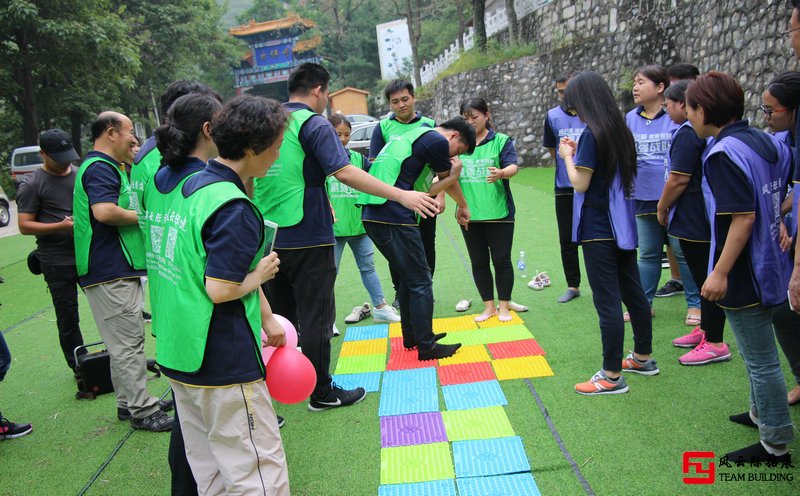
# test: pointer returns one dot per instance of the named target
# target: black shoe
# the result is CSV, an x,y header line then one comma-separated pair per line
x,y
10,430
146,316
163,405
756,453
439,351
155,422
671,288
744,419
281,422
336,397
410,345
396,303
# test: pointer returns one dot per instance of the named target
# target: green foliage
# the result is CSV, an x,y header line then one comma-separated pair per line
x,y
494,54
261,10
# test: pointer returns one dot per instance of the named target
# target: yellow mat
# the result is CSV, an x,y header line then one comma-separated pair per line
x,y
521,368
495,322
468,354
453,324
368,347
395,331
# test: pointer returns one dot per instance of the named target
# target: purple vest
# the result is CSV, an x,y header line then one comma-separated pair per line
x,y
652,138
562,125
771,267
621,214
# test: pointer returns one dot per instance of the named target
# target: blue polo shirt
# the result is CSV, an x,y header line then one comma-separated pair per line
x,y
431,148
376,141
231,238
595,222
325,156
107,261
685,154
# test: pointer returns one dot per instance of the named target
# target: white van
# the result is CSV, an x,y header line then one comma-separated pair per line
x,y
24,160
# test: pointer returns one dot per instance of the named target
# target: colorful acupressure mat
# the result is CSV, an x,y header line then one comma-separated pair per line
x,y
464,445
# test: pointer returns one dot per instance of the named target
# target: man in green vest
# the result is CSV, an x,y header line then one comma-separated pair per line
x,y
404,117
292,194
109,255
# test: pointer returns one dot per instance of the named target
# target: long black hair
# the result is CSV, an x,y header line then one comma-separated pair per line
x,y
590,97
179,135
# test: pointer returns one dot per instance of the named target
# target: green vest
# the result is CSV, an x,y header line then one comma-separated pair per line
x,y
142,173
487,201
279,195
392,129
343,200
388,163
130,237
176,264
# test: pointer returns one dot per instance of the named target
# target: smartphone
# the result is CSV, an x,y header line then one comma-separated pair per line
x,y
270,230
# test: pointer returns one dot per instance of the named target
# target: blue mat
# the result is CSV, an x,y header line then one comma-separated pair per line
x,y
431,488
394,380
473,395
399,401
371,381
499,485
483,457
361,333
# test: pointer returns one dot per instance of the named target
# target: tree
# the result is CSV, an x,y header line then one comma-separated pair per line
x,y
263,10
478,13
412,10
513,27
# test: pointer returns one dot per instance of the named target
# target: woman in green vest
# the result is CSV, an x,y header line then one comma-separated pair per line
x,y
490,233
349,230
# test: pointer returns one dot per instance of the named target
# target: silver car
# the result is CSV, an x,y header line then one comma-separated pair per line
x,y
360,136
5,216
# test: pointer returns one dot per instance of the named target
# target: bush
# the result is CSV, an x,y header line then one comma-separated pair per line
x,y
495,53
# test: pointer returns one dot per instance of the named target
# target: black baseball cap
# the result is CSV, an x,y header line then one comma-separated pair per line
x,y
57,144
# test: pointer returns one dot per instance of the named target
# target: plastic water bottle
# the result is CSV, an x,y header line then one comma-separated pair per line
x,y
522,265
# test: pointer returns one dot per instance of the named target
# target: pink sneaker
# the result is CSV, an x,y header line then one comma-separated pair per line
x,y
705,354
690,340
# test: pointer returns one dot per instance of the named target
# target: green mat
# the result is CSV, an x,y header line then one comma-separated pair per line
x,y
489,335
478,423
417,463
358,364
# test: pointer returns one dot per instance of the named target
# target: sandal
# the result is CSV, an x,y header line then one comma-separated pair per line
x,y
693,320
626,316
543,278
463,305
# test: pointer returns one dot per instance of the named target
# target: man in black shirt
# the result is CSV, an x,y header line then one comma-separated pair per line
x,y
44,204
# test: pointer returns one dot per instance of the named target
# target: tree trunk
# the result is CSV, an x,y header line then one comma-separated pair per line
x,y
462,24
478,13
30,116
75,121
413,16
513,27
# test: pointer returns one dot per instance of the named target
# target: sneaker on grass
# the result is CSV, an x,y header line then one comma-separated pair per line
x,y
690,340
10,430
155,422
706,353
631,364
358,314
386,313
601,384
671,288
336,397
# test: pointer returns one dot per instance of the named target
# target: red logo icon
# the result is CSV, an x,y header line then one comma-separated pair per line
x,y
702,474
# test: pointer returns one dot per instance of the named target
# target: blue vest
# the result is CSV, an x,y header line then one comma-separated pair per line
x,y
652,137
571,126
771,267
621,214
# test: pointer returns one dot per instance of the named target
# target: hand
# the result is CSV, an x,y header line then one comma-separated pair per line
x,y
662,213
794,290
421,203
267,267
715,287
276,336
441,200
784,239
495,174
463,216
455,166
67,224
566,147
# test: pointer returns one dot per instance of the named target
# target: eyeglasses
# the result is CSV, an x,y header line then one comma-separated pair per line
x,y
790,31
769,111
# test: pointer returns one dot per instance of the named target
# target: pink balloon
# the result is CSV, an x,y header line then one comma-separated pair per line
x,y
290,376
291,332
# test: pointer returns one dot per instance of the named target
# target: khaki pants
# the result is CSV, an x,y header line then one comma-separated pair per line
x,y
232,439
117,310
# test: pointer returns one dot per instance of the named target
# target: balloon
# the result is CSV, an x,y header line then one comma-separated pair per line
x,y
290,376
291,332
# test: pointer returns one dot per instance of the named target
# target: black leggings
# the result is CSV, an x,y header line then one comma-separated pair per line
x,y
569,250
491,238
713,318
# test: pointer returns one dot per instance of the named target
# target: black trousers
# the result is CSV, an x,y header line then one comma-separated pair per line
x,y
493,240
713,316
427,229
569,250
183,483
614,278
302,291
62,281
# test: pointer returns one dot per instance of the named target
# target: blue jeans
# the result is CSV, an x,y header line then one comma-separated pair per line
x,y
752,328
362,252
652,236
402,247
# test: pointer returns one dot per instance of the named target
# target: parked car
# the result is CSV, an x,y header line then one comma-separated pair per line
x,y
24,160
360,135
359,118
5,216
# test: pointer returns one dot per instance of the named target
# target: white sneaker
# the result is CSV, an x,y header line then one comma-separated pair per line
x,y
517,307
386,313
335,332
358,314
463,305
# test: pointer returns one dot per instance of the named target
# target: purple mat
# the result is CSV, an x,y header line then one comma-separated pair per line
x,y
414,428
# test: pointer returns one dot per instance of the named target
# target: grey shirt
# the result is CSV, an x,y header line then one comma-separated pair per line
x,y
49,198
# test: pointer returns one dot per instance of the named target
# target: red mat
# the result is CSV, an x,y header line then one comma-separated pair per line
x,y
515,349
463,373
402,359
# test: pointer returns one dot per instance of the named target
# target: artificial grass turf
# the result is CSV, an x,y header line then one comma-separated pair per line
x,y
623,443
